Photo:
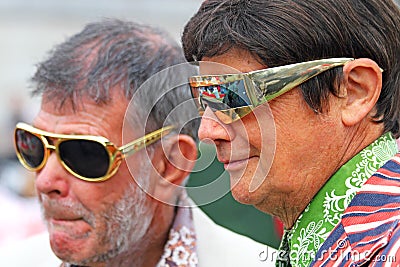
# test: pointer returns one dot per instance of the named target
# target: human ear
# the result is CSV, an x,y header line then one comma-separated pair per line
x,y
361,89
180,157
173,160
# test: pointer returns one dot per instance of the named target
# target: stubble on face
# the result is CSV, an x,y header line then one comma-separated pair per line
x,y
116,234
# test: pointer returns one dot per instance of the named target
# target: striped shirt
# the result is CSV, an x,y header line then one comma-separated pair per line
x,y
369,232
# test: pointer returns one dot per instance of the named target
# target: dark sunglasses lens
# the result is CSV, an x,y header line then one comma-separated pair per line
x,y
224,96
84,157
30,148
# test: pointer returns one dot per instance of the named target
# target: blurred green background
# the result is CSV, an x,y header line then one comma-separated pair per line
x,y
225,210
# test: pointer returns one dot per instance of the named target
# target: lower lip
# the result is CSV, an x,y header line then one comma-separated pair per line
x,y
236,165
74,228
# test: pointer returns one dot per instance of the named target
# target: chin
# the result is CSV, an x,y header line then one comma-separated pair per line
x,y
68,249
246,188
241,194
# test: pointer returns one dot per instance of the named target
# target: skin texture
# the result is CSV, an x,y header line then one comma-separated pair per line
x,y
303,159
86,84
112,223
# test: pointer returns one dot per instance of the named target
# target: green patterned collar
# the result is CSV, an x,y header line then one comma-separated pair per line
x,y
324,211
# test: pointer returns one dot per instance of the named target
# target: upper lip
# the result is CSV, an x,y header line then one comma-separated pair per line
x,y
226,155
227,161
57,218
60,213
65,218
235,159
60,216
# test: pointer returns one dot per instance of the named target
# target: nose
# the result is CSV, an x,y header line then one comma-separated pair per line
x,y
211,128
52,180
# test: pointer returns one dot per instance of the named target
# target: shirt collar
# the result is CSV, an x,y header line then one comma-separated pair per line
x,y
324,211
180,249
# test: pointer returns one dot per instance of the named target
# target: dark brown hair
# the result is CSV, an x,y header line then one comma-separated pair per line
x,y
280,32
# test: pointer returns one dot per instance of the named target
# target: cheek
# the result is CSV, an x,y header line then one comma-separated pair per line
x,y
255,136
98,196
261,130
139,170
294,126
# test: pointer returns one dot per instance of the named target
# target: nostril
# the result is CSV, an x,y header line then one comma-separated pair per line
x,y
54,189
58,192
52,183
52,194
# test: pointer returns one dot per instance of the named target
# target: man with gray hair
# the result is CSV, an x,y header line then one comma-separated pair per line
x,y
111,193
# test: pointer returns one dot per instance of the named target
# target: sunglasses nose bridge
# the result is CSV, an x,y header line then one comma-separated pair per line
x,y
51,147
48,147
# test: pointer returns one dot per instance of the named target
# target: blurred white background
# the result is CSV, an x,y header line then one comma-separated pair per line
x,y
28,30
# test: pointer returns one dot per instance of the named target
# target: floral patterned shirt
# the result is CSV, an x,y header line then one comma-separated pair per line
x,y
324,212
180,249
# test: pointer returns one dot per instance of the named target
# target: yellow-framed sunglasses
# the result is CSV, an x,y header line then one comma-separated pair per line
x,y
87,157
233,96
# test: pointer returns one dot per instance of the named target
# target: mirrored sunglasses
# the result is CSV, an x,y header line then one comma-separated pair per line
x,y
233,96
87,157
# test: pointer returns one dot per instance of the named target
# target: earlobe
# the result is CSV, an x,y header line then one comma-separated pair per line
x,y
361,89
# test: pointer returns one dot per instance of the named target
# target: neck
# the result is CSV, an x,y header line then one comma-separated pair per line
x,y
312,176
148,253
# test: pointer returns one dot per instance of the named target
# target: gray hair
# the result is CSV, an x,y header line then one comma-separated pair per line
x,y
108,54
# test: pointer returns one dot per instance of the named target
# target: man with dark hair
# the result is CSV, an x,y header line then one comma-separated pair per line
x,y
112,146
313,141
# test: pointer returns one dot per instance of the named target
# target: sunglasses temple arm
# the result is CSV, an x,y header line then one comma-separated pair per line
x,y
134,146
277,81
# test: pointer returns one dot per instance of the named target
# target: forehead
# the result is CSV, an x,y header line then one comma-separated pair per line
x,y
235,60
84,117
